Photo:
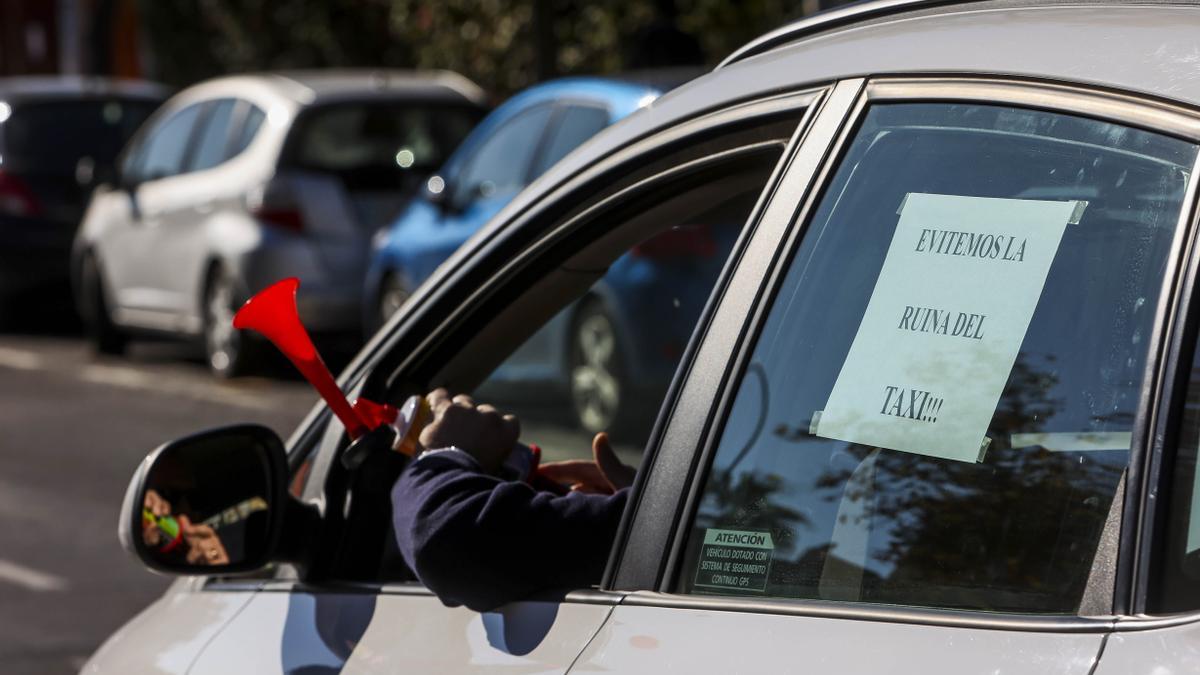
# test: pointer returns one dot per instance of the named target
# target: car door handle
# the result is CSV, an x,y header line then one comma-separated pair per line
x,y
204,208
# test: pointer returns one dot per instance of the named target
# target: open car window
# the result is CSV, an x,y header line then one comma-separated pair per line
x,y
955,437
594,345
603,362
639,254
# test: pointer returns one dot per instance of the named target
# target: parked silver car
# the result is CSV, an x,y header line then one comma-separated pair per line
x,y
238,181
939,414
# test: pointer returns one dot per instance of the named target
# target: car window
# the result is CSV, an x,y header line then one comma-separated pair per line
x,y
162,153
212,145
642,266
1175,578
604,362
867,456
249,129
500,166
51,136
576,124
378,141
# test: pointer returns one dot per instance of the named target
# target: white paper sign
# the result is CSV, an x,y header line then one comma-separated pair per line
x,y
944,324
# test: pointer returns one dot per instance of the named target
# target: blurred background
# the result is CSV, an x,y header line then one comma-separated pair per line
x,y
361,151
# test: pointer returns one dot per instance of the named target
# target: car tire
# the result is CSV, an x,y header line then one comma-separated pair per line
x,y
229,352
600,390
393,293
103,335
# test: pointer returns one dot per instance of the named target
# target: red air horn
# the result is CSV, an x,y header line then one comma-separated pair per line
x,y
273,314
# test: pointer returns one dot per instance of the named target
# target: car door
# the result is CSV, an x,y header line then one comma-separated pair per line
x,y
153,175
366,612
856,483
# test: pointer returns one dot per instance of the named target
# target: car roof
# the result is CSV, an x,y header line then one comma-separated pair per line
x,y
307,87
855,13
605,89
73,86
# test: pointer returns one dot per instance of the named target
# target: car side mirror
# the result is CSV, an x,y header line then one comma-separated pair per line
x,y
211,503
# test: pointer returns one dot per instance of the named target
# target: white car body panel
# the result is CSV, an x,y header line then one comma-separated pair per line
x,y
167,636
654,639
1160,651
282,632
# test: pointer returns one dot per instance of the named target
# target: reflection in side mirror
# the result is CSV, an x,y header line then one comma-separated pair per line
x,y
211,503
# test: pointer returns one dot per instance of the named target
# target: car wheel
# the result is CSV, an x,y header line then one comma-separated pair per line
x,y
98,326
599,390
393,293
228,350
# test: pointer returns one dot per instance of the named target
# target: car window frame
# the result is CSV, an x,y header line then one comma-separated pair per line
x,y
320,438
704,409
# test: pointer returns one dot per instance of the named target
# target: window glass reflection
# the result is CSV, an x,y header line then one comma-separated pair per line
x,y
1017,530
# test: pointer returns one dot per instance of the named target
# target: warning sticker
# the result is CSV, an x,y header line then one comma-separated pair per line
x,y
735,559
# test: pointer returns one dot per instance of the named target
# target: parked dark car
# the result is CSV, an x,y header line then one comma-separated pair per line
x,y
59,137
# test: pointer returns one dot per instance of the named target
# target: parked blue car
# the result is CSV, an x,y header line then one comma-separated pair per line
x,y
511,147
588,349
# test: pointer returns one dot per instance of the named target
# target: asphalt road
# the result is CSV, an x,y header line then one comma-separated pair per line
x,y
72,430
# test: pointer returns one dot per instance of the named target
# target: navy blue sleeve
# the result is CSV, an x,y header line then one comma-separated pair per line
x,y
479,541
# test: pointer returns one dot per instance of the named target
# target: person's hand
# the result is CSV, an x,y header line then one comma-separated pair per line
x,y
159,507
604,474
203,545
479,430
156,504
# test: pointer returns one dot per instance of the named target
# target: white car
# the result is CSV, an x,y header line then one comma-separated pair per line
x,y
939,414
238,181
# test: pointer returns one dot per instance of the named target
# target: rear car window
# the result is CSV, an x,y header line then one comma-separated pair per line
x,y
939,408
52,136
378,143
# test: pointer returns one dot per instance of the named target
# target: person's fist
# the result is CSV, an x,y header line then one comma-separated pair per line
x,y
479,430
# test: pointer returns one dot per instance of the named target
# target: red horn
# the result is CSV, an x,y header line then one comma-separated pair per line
x,y
273,314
